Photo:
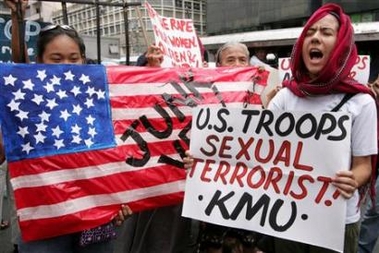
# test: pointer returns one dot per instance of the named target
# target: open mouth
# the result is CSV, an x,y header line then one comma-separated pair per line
x,y
315,54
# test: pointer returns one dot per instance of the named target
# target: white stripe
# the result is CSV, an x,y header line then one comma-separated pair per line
x,y
150,113
160,88
93,201
62,176
149,138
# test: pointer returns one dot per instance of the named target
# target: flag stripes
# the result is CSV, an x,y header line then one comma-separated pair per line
x,y
151,117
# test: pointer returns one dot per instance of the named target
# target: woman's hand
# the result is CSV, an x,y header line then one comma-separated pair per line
x,y
12,4
188,160
154,56
122,215
345,183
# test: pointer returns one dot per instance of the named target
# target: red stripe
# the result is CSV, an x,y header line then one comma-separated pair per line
x,y
134,75
53,194
86,159
149,101
47,228
120,126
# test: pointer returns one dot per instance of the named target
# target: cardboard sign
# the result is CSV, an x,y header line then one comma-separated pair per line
x,y
176,38
360,71
270,172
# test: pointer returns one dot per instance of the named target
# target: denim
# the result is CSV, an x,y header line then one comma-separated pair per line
x,y
370,225
64,244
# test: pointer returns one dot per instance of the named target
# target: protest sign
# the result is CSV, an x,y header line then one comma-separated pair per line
x,y
270,171
81,140
360,71
32,29
177,39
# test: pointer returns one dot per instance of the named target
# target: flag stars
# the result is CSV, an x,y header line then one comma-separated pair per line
x,y
62,94
41,127
77,109
22,115
75,90
92,132
19,95
88,142
55,80
9,80
44,116
76,129
28,84
90,91
65,115
58,144
49,87
51,103
100,94
23,131
38,99
60,116
14,105
69,75
26,147
76,139
57,131
84,78
40,138
90,120
41,74
89,103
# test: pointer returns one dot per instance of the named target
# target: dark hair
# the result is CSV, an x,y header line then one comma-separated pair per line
x,y
142,60
50,32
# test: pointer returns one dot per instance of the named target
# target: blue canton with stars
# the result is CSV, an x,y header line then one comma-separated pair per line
x,y
54,109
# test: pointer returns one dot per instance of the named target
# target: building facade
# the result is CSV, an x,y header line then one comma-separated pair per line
x,y
225,17
275,25
112,24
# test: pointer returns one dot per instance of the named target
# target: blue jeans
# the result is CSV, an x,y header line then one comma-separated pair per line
x,y
64,244
370,225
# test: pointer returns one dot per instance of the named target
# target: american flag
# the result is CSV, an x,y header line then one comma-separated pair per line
x,y
82,139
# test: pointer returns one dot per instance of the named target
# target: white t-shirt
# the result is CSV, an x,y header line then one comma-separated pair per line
x,y
363,133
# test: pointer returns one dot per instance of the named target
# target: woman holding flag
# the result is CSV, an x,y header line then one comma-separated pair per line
x,y
61,44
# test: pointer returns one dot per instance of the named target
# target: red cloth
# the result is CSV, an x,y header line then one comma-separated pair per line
x,y
334,77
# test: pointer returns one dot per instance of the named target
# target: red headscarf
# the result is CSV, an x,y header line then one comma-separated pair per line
x,y
334,77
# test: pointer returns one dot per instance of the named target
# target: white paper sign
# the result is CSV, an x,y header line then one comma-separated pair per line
x,y
270,172
177,39
360,71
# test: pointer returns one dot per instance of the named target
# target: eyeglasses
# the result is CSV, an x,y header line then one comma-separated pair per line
x,y
52,27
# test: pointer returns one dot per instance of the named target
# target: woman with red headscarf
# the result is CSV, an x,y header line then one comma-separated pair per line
x,y
321,62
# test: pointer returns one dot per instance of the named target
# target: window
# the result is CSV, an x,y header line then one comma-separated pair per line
x,y
113,49
178,3
188,5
